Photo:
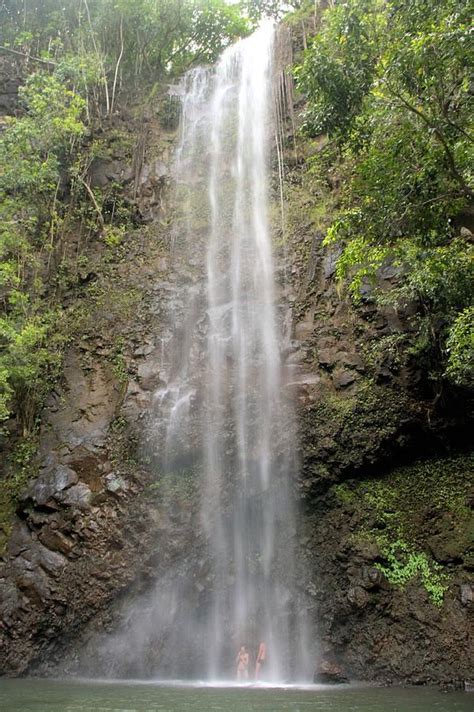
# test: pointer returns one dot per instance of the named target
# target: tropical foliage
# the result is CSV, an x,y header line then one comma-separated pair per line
x,y
390,84
79,60
118,41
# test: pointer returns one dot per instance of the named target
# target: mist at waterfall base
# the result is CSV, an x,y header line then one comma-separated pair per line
x,y
220,416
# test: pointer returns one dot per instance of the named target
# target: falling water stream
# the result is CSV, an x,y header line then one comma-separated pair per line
x,y
246,437
221,432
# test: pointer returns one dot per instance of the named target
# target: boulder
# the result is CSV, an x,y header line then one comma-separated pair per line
x,y
79,496
343,379
448,546
352,360
329,673
371,577
114,483
20,539
50,485
358,597
33,583
326,357
56,541
50,561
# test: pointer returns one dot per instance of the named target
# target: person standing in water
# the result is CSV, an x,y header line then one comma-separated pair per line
x,y
261,658
242,664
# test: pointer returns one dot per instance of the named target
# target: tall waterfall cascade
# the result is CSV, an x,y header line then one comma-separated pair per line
x,y
221,411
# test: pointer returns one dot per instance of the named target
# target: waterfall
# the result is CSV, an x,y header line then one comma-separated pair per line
x,y
247,440
243,356
221,417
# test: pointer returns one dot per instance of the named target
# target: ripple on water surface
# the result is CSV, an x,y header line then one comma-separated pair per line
x,y
86,696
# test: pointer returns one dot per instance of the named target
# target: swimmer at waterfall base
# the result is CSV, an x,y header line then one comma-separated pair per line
x,y
261,658
242,664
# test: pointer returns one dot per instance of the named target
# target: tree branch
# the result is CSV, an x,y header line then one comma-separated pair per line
x,y
28,56
91,195
467,190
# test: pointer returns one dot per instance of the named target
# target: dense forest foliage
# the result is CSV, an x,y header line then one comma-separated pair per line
x,y
390,85
77,60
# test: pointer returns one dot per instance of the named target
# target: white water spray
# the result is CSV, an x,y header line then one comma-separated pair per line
x,y
247,443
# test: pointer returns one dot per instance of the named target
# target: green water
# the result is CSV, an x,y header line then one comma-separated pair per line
x,y
66,696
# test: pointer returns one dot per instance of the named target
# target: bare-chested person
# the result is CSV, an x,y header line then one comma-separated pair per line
x,y
242,661
261,659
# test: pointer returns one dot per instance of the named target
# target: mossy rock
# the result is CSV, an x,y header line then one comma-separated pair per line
x,y
361,426
419,518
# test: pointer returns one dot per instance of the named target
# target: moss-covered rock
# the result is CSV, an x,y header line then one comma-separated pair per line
x,y
375,534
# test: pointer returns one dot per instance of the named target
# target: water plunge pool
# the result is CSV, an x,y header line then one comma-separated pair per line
x,y
38,695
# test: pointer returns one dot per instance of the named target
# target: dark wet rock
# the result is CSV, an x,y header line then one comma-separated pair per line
x,y
11,78
358,597
329,673
343,379
51,484
466,594
78,495
114,483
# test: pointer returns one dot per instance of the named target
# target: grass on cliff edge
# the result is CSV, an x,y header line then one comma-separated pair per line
x,y
402,511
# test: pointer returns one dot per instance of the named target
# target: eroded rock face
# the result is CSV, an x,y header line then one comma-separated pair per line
x,y
376,630
361,415
329,673
85,530
91,531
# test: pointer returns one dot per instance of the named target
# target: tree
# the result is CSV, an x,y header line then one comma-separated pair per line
x,y
34,151
390,84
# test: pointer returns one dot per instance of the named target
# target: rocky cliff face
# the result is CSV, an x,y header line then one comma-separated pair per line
x,y
386,505
384,483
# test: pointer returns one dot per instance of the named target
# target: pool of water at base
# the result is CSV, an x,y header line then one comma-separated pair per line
x,y
37,695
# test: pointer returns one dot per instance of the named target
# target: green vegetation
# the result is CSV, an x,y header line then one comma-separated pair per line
x,y
460,346
397,513
79,58
389,84
120,41
403,565
35,152
20,471
178,487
